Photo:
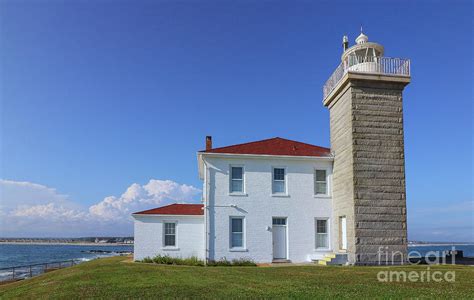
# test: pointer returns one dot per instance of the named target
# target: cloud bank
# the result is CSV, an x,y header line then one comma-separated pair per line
x,y
33,210
451,222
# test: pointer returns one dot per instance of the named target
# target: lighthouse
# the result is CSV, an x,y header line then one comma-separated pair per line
x,y
364,98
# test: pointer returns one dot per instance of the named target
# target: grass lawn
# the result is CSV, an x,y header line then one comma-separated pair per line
x,y
113,277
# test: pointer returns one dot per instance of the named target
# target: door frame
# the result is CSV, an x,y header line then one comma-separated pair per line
x,y
286,237
342,233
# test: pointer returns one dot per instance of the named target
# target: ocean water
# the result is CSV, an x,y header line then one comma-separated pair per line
x,y
468,250
26,254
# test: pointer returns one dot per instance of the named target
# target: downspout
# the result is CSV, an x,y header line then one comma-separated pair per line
x,y
206,209
206,250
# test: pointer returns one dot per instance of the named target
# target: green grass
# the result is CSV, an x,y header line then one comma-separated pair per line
x,y
114,278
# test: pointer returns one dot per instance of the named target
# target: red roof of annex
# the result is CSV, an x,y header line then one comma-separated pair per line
x,y
273,146
175,209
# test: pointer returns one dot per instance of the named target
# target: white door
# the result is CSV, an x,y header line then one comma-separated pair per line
x,y
279,238
343,233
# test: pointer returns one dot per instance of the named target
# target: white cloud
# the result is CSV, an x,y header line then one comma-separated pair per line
x,y
30,209
48,211
139,197
14,193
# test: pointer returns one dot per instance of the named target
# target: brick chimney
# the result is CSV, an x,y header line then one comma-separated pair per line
x,y
208,142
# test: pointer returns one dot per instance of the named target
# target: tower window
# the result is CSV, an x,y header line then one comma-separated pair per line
x,y
320,184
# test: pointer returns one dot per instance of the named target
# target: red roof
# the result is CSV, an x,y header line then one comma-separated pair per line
x,y
175,209
273,146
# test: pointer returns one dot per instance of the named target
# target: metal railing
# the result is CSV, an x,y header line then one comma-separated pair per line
x,y
28,271
370,65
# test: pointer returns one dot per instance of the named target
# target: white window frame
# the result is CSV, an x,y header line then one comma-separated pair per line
x,y
327,183
285,180
328,230
244,244
243,180
175,234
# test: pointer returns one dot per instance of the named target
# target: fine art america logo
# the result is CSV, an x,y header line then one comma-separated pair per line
x,y
415,258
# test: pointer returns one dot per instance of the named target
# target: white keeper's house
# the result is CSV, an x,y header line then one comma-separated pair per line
x,y
279,200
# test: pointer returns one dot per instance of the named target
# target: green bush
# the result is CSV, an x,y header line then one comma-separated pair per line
x,y
194,261
168,260
243,262
146,260
223,262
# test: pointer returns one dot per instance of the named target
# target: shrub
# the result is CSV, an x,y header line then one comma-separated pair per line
x,y
164,260
223,262
194,261
191,261
146,260
243,262
168,260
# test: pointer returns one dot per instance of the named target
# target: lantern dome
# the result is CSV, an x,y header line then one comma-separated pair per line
x,y
362,38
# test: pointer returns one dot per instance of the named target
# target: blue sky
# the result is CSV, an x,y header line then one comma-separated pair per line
x,y
99,95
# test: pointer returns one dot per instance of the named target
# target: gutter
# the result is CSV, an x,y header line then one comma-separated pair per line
x,y
326,158
164,215
206,250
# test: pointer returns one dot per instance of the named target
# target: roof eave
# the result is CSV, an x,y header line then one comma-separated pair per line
x,y
164,215
330,157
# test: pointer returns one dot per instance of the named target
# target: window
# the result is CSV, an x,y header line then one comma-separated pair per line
x,y
237,232
170,234
236,179
279,185
322,239
279,221
321,184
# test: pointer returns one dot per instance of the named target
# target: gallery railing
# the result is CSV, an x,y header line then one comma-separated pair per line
x,y
392,66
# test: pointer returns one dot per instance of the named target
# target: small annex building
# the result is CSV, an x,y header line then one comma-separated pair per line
x,y
156,231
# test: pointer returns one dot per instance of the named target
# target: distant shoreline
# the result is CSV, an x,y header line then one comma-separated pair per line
x,y
124,244
64,243
435,244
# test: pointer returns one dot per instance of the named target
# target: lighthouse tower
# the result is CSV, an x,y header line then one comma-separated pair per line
x,y
364,98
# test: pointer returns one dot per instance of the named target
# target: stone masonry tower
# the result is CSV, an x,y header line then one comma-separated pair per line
x,y
364,98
